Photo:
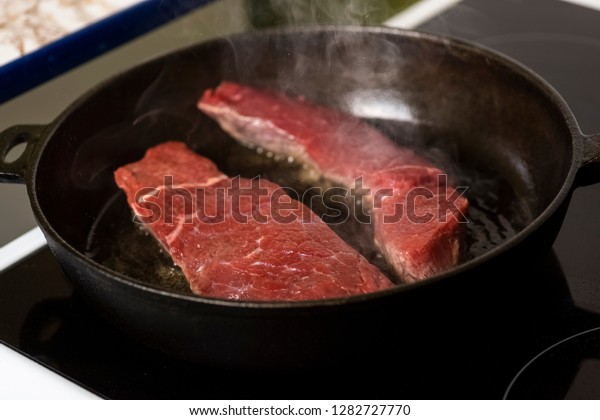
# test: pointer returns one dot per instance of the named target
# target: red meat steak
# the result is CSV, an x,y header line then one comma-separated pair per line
x,y
231,236
342,148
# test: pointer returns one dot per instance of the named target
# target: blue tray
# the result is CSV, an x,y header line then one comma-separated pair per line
x,y
53,59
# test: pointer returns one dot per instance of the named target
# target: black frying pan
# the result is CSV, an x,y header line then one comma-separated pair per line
x,y
486,116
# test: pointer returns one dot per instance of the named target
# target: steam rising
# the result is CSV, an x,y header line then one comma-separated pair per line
x,y
299,12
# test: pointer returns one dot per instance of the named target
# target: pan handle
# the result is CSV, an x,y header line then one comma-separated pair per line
x,y
591,149
589,172
16,171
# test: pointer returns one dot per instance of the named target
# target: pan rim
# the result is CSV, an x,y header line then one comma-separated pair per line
x,y
521,70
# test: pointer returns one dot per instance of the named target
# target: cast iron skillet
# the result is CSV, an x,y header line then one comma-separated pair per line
x,y
478,105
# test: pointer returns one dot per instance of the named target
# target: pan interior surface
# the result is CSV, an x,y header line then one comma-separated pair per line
x,y
481,120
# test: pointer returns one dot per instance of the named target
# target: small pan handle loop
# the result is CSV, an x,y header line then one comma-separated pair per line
x,y
592,150
16,171
589,172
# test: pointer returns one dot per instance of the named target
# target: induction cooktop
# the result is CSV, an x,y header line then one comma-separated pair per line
x,y
534,335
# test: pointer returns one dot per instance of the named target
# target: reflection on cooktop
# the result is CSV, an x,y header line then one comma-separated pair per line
x,y
568,369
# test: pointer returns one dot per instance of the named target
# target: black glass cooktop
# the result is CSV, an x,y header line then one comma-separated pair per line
x,y
533,335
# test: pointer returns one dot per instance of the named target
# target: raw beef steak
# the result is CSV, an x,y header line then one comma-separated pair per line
x,y
237,238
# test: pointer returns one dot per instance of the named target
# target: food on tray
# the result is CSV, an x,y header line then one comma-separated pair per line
x,y
416,214
238,238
